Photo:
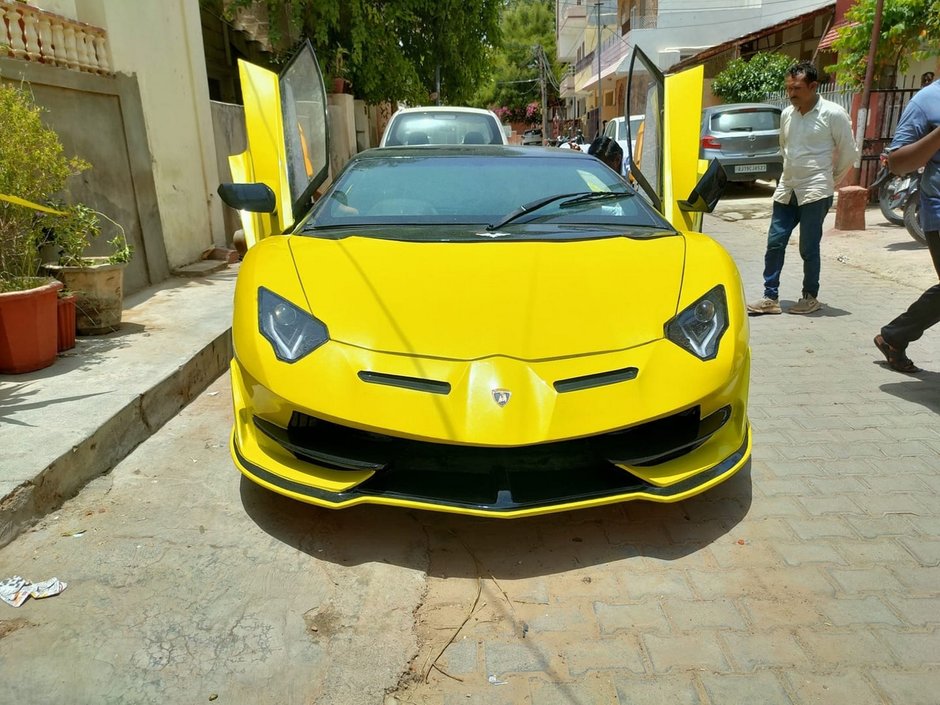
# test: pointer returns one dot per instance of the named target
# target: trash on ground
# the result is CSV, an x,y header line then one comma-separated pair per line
x,y
14,591
495,681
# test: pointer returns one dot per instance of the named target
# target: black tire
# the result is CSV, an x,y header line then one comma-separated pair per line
x,y
912,219
895,216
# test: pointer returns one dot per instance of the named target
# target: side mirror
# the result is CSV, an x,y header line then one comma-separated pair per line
x,y
707,191
256,198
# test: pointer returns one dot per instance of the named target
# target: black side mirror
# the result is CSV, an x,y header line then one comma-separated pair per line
x,y
256,198
707,191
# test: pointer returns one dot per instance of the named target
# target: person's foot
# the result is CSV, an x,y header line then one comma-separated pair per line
x,y
807,304
897,358
764,305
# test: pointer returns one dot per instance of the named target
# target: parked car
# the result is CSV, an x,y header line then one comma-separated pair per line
x,y
495,330
443,125
745,139
532,137
616,129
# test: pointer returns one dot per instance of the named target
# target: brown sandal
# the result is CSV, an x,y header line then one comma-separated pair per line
x,y
897,360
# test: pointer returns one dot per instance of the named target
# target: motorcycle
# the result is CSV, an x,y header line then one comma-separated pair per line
x,y
892,192
912,208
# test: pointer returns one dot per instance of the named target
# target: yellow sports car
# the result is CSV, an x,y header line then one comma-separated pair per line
x,y
492,330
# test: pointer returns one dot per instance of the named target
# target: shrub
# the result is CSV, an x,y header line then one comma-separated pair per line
x,y
33,166
749,81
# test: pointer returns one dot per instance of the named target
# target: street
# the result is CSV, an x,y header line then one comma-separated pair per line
x,y
812,578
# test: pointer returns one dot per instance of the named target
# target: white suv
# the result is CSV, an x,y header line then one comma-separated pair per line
x,y
443,125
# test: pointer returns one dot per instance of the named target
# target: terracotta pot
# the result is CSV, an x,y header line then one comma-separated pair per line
x,y
66,321
99,294
28,335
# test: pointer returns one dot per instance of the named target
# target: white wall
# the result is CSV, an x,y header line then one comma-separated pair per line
x,y
161,42
703,23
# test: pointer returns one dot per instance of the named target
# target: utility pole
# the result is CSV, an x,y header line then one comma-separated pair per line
x,y
597,130
540,54
862,118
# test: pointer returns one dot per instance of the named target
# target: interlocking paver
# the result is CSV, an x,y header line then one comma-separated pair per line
x,y
772,649
761,687
914,649
675,690
800,553
926,551
918,580
847,611
643,617
850,687
916,611
854,580
687,615
821,527
909,688
605,654
838,648
684,651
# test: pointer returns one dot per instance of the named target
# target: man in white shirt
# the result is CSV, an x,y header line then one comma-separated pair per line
x,y
818,151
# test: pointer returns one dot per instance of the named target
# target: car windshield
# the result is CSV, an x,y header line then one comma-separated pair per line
x,y
440,127
471,192
746,120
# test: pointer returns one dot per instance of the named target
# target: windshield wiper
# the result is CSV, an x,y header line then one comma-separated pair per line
x,y
539,203
595,196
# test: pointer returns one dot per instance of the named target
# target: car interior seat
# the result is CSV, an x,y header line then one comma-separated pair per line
x,y
473,138
417,138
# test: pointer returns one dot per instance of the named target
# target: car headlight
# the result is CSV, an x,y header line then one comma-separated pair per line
x,y
291,331
699,327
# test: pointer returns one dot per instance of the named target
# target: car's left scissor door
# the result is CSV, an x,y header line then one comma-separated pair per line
x,y
288,139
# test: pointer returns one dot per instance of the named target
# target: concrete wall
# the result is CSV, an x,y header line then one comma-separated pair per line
x,y
100,119
161,43
228,125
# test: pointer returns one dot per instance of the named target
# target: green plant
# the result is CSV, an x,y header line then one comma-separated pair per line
x,y
748,81
72,233
33,167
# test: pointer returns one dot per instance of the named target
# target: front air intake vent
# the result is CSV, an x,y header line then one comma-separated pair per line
x,y
415,383
600,379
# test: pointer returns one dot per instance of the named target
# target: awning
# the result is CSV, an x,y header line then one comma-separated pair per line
x,y
825,44
613,63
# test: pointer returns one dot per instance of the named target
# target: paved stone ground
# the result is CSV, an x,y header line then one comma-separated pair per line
x,y
815,578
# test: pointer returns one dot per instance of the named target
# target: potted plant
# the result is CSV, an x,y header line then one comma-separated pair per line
x,y
33,167
97,282
340,71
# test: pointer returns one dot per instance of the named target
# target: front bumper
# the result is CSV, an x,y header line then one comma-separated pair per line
x,y
336,465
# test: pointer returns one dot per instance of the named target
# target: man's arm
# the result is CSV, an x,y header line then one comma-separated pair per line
x,y
846,153
914,155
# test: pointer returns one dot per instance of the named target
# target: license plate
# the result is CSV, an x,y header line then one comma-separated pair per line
x,y
749,168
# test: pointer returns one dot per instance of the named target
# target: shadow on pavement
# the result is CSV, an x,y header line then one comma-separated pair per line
x,y
921,388
505,549
905,246
829,311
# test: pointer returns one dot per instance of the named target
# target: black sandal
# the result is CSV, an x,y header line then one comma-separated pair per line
x,y
897,360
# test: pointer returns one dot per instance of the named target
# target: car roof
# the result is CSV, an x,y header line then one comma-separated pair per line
x,y
486,150
739,106
442,109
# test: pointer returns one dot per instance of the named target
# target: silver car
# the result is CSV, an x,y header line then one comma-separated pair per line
x,y
745,139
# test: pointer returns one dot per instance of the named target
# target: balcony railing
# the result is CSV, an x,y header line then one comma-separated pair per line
x,y
31,34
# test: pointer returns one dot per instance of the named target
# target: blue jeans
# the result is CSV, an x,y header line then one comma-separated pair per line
x,y
785,217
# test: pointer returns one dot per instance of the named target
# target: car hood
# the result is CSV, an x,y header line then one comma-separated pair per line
x,y
470,300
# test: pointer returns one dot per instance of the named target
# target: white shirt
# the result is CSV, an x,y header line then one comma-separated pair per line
x,y
818,151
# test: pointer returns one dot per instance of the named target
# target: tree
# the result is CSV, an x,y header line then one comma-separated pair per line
x,y
749,81
514,85
390,49
906,26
